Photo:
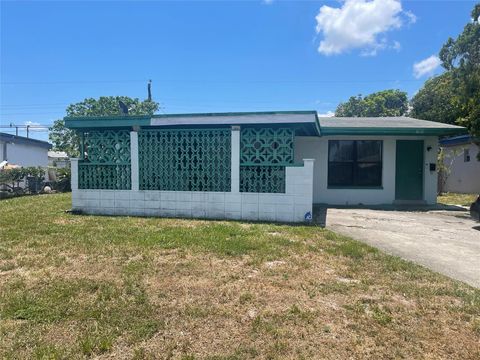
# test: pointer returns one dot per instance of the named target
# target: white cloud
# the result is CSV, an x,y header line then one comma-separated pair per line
x,y
358,24
327,114
426,66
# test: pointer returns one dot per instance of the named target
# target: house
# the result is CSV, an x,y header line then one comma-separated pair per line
x,y
462,169
23,151
253,165
58,159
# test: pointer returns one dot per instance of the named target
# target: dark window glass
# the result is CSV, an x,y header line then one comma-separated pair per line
x,y
355,163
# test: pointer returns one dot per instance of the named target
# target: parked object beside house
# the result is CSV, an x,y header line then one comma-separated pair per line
x,y
462,169
23,151
251,166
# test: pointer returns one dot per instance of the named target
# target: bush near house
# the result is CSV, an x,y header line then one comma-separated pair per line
x,y
121,287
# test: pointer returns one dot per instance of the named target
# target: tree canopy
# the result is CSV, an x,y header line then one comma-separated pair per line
x,y
382,103
454,97
67,140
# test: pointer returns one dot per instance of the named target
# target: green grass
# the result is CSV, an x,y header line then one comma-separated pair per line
x,y
457,199
74,286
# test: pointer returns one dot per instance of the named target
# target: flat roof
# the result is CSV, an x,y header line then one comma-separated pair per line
x,y
394,125
307,122
24,140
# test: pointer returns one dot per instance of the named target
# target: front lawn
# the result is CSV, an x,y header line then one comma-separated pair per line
x,y
456,199
76,286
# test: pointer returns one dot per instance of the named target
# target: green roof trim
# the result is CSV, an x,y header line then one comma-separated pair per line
x,y
79,122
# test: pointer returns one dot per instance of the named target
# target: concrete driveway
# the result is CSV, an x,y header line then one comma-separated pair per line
x,y
445,241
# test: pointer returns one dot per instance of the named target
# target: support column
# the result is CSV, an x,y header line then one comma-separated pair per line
x,y
134,160
235,165
74,174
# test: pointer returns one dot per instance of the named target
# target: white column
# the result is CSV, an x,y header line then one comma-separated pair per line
x,y
235,165
134,160
74,174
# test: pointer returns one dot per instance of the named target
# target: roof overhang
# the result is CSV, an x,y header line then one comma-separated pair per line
x,y
305,122
14,139
330,131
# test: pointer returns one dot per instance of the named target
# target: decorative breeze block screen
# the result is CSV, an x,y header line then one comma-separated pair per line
x,y
107,161
264,153
185,159
266,146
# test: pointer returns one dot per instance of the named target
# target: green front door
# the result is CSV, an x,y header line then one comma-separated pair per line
x,y
409,170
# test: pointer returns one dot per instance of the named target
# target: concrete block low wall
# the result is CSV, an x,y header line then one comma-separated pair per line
x,y
291,206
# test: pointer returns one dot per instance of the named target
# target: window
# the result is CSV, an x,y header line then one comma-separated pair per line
x,y
466,155
355,163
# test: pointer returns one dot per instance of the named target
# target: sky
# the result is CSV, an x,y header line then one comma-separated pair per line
x,y
216,56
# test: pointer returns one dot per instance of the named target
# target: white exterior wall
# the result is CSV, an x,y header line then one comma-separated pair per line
x,y
464,176
25,155
291,206
317,148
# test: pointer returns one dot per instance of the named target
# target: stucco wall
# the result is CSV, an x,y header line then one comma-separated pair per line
x,y
317,148
464,176
25,155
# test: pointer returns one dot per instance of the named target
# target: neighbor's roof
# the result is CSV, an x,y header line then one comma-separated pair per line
x,y
457,140
306,123
398,125
58,154
24,140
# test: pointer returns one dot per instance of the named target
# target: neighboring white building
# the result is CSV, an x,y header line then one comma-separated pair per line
x,y
463,174
270,166
58,159
23,151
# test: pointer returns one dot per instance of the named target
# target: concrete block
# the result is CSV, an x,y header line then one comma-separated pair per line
x,y
233,198
199,206
284,216
167,205
137,204
152,195
107,203
168,195
215,214
137,195
233,215
198,196
233,207
183,212
250,207
249,198
265,208
215,206
167,213
184,196
198,213
107,194
152,204
267,216
122,203
249,215
122,195
217,197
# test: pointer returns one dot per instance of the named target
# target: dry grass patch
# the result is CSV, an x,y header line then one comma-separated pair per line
x,y
106,287
457,199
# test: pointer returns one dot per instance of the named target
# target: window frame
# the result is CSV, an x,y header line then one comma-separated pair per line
x,y
354,163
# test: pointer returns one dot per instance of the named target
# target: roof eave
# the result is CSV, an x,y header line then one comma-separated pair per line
x,y
329,131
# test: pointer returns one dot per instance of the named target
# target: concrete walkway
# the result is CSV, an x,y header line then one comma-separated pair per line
x,y
445,241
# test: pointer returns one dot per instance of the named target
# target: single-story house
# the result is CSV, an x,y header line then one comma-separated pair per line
x,y
58,159
461,168
23,151
252,165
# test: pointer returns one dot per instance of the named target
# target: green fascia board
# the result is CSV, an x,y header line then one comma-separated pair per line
x,y
87,122
392,131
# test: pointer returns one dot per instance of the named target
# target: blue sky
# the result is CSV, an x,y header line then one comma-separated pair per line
x,y
216,56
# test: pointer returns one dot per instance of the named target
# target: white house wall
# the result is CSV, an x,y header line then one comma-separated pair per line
x,y
292,206
317,148
464,176
25,155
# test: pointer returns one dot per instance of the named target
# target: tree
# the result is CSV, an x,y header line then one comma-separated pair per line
x,y
383,103
461,59
437,100
67,140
